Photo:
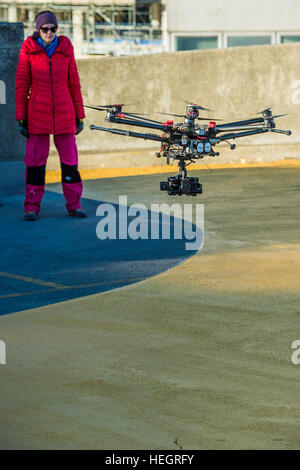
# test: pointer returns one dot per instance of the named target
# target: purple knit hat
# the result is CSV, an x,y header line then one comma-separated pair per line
x,y
45,17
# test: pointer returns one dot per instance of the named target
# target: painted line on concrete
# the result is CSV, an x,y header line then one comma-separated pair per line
x,y
7,296
33,281
76,286
105,283
280,246
105,266
54,176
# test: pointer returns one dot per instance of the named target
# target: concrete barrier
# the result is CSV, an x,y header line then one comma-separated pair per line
x,y
233,82
12,145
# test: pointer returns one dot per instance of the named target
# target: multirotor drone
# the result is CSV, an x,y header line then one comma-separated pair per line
x,y
187,141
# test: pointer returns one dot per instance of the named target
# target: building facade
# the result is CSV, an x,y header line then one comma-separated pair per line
x,y
121,27
126,27
209,24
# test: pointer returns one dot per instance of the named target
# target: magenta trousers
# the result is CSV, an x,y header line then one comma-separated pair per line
x,y
37,151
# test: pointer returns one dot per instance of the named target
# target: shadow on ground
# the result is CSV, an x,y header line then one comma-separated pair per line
x,y
59,258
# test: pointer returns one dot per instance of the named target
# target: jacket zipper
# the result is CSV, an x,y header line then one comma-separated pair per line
x,y
53,106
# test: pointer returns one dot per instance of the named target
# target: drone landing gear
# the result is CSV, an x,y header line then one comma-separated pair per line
x,y
181,183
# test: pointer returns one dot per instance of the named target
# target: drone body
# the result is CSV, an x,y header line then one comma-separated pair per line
x,y
187,141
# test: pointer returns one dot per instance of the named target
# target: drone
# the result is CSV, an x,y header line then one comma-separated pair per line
x,y
188,141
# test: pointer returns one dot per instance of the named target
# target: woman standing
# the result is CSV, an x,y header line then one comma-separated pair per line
x,y
49,101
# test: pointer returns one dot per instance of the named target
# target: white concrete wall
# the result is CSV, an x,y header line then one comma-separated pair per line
x,y
235,83
221,18
69,2
233,15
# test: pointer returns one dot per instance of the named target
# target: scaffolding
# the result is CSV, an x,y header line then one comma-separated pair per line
x,y
98,27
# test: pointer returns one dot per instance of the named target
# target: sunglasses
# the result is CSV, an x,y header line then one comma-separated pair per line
x,y
52,29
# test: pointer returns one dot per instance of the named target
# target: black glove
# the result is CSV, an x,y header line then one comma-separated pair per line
x,y
79,126
22,128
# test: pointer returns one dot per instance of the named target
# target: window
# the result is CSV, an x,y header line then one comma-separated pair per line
x,y
3,14
287,39
234,41
188,43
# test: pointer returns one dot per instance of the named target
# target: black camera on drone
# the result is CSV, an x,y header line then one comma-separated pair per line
x,y
176,186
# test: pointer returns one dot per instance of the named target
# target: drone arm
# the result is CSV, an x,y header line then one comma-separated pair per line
x,y
242,126
279,131
132,115
241,123
218,129
234,135
131,134
148,124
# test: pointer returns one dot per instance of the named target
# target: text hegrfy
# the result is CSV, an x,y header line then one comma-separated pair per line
x,y
172,459
146,224
153,459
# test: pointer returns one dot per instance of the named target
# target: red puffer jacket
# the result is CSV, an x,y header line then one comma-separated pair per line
x,y
48,90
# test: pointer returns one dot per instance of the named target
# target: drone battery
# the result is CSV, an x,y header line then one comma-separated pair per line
x,y
200,147
207,147
184,140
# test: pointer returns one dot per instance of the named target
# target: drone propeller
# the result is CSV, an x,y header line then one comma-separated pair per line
x,y
170,114
116,104
279,115
267,110
196,105
184,116
106,108
95,107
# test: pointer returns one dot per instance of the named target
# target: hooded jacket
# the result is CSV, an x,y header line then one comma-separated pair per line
x,y
48,92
